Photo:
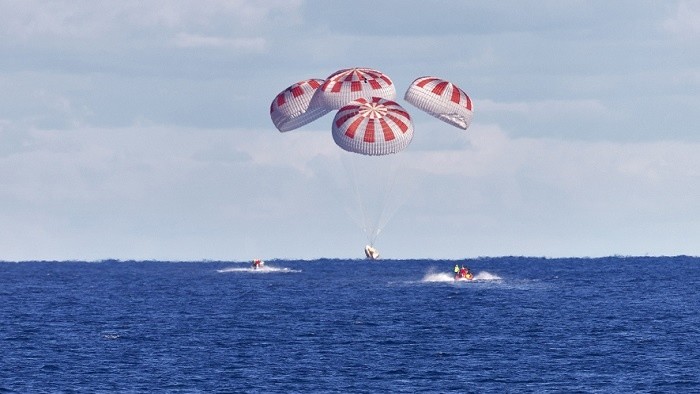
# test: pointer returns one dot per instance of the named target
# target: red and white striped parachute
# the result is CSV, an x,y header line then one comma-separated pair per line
x,y
346,85
291,109
372,126
369,121
441,99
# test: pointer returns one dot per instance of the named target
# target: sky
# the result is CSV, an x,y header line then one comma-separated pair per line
x,y
141,130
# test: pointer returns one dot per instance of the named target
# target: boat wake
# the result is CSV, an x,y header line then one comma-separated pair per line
x,y
262,270
448,277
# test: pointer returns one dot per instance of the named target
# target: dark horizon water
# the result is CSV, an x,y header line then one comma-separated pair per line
x,y
615,324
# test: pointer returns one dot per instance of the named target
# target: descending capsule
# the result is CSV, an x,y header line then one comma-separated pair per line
x,y
372,126
346,85
441,99
292,108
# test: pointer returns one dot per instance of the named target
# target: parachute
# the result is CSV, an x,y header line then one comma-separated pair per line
x,y
380,128
373,127
347,85
441,99
291,109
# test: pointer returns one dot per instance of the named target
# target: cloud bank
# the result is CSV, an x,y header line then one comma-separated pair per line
x,y
142,130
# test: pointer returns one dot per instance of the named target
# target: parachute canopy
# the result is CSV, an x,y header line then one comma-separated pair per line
x,y
291,109
441,99
369,121
346,85
372,126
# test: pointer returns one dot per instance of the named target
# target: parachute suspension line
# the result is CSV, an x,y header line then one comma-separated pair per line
x,y
373,129
387,211
381,198
370,123
362,184
374,182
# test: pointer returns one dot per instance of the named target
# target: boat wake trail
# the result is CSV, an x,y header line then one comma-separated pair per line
x,y
263,270
448,277
487,276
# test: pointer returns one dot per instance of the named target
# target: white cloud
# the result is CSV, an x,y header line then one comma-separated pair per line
x,y
254,45
146,191
542,108
61,19
78,179
686,21
157,192
543,196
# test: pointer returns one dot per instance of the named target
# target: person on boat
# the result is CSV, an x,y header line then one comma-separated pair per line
x,y
463,272
469,274
456,269
257,263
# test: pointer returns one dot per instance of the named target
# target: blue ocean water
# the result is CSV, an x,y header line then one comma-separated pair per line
x,y
618,324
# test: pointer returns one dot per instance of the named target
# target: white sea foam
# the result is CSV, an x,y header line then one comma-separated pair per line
x,y
110,335
449,277
438,277
263,270
483,275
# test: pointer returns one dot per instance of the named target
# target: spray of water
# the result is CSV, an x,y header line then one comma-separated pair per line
x,y
432,277
263,270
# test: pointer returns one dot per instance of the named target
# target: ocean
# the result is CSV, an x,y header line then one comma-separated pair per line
x,y
616,324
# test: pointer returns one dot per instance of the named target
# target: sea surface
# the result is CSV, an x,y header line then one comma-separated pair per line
x,y
617,324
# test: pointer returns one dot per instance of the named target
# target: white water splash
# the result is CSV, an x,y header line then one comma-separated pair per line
x,y
448,277
263,270
110,335
438,277
486,276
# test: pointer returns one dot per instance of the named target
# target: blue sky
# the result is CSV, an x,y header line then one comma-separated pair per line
x,y
141,130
